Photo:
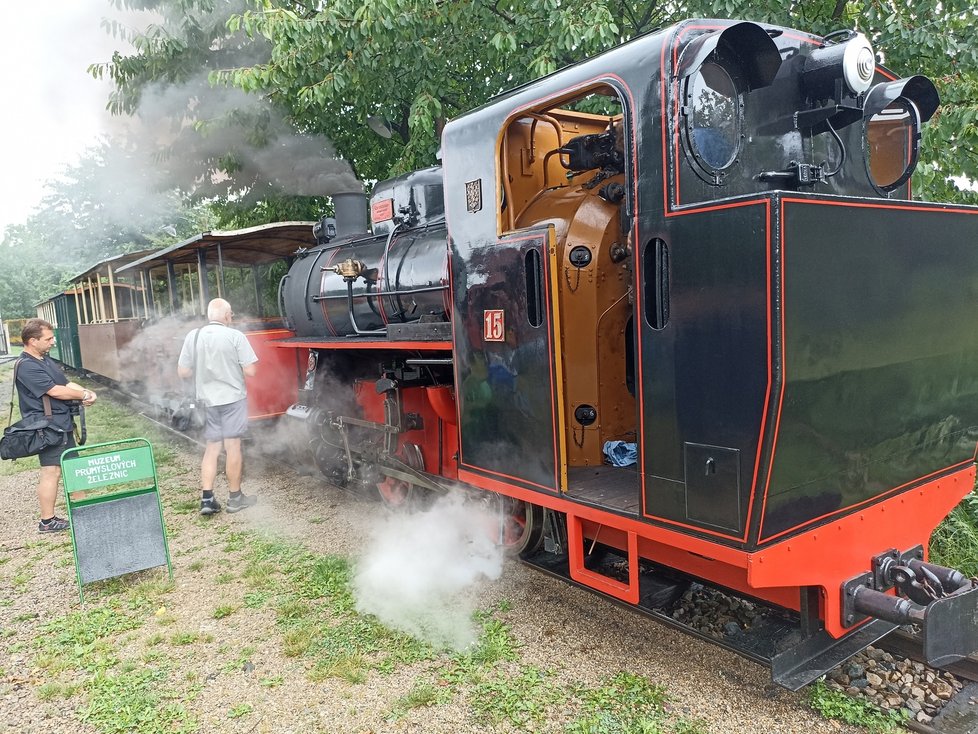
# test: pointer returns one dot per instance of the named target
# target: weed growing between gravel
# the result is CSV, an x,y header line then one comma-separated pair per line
x,y
837,705
315,611
504,694
80,653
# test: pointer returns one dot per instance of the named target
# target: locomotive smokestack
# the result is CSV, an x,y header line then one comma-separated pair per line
x,y
350,211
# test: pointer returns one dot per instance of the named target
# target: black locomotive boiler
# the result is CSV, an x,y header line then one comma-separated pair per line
x,y
700,248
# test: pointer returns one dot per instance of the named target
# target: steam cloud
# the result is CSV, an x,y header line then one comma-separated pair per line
x,y
197,124
421,570
277,155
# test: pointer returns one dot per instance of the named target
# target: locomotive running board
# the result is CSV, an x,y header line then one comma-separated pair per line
x,y
774,639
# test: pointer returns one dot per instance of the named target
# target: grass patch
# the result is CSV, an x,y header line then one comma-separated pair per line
x,y
239,661
955,541
135,701
421,695
182,639
242,709
119,696
53,690
352,668
838,705
522,699
625,703
184,507
224,610
256,599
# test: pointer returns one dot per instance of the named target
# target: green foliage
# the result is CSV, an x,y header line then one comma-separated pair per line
x,y
241,709
107,204
222,144
224,610
837,705
955,541
415,64
421,695
522,699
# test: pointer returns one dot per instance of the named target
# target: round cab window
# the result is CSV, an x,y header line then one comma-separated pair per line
x,y
891,145
712,119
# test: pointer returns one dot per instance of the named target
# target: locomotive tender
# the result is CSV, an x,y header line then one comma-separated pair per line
x,y
701,242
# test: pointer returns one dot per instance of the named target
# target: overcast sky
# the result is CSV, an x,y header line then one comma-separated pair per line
x,y
54,109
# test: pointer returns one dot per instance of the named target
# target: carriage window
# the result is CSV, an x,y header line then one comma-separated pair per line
x,y
890,149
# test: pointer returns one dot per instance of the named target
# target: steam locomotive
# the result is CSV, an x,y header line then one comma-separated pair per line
x,y
700,247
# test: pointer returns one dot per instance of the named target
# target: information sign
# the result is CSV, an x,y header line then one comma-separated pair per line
x,y
114,509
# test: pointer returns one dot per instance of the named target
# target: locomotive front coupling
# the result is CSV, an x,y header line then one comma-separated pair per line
x,y
941,601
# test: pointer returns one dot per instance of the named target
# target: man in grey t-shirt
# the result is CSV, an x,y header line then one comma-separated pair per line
x,y
218,358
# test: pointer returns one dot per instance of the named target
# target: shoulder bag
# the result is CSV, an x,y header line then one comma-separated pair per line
x,y
29,436
189,414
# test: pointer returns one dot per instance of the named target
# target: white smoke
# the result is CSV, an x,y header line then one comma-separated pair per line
x,y
196,125
421,570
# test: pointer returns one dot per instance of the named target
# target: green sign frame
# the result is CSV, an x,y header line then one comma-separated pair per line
x,y
114,507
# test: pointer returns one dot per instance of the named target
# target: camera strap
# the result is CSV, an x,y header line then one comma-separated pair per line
x,y
197,367
82,433
13,389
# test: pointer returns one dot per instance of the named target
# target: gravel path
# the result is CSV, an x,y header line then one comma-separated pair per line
x,y
579,636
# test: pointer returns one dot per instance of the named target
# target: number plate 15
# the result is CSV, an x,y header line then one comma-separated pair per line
x,y
493,327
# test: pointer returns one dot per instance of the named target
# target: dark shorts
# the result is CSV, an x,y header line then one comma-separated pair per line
x,y
51,456
226,421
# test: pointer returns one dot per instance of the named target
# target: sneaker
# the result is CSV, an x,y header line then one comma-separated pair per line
x,y
241,501
210,506
56,525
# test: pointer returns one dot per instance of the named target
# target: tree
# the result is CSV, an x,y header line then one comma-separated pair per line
x,y
107,204
219,145
415,63
324,69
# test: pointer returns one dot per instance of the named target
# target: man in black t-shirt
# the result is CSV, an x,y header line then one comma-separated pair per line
x,y
39,375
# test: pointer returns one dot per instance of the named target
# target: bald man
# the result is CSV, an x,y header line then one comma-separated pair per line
x,y
218,358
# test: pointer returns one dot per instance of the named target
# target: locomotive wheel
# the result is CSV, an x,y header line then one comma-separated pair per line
x,y
398,493
330,462
521,530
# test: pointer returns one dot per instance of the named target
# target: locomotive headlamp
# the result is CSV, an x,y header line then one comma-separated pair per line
x,y
324,230
892,116
851,60
751,45
917,89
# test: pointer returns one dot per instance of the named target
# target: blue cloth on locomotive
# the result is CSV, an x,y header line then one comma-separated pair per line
x,y
620,453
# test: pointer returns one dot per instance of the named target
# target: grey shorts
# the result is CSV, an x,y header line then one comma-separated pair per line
x,y
226,421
